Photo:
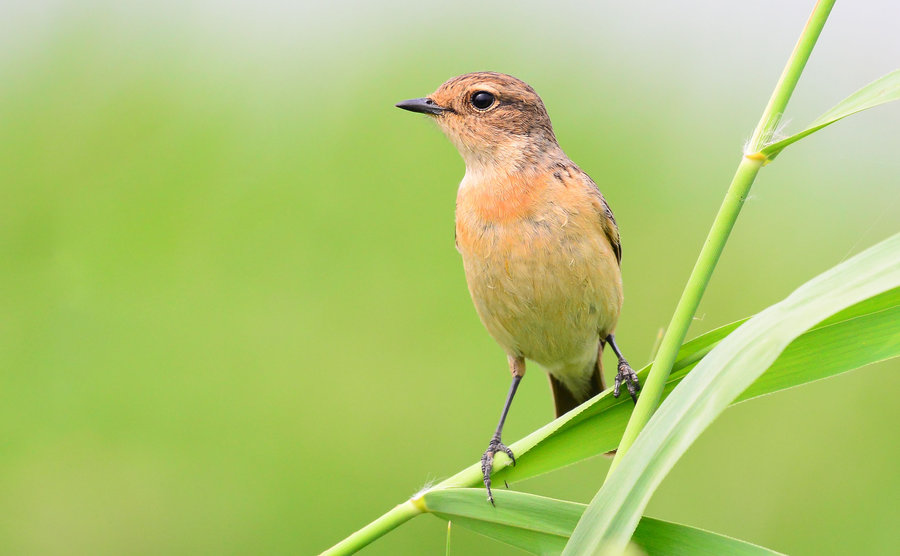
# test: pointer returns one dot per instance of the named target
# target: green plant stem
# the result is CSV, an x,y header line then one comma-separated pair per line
x,y
470,476
381,526
721,228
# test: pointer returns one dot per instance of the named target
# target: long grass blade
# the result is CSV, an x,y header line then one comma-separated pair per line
x,y
543,525
596,426
726,372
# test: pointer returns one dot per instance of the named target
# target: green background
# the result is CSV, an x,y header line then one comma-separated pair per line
x,y
232,319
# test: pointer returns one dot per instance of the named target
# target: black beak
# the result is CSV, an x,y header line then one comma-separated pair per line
x,y
421,105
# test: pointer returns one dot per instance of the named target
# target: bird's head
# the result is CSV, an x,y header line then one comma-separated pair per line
x,y
492,118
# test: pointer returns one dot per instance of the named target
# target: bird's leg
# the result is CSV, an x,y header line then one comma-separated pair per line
x,y
517,367
626,374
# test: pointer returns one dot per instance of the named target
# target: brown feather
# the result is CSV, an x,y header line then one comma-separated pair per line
x,y
610,227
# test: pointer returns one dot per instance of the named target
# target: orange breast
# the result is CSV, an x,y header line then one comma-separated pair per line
x,y
484,205
503,200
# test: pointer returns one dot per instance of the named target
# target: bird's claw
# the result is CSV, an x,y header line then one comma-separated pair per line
x,y
627,375
487,462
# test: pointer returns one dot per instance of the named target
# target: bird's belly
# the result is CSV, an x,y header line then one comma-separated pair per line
x,y
543,291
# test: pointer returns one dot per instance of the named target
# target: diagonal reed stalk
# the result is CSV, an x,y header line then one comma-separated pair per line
x,y
749,167
401,513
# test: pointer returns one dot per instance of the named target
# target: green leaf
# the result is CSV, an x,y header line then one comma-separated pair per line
x,y
543,525
534,523
595,427
880,91
723,375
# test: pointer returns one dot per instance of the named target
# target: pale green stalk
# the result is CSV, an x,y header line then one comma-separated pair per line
x,y
398,515
447,550
721,228
401,513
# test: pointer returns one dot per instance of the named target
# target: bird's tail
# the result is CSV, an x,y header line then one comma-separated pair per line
x,y
564,400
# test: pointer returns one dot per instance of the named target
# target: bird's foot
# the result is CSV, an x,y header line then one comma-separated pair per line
x,y
487,462
627,375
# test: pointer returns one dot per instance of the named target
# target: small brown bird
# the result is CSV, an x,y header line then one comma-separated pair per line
x,y
539,243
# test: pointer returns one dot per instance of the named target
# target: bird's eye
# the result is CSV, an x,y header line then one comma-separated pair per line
x,y
482,100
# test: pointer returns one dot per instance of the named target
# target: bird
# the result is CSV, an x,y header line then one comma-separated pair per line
x,y
539,243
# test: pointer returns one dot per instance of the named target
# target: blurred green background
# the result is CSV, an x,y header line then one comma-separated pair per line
x,y
232,319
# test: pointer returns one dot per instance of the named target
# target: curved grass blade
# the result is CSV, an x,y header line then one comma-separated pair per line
x,y
723,375
543,525
880,91
595,427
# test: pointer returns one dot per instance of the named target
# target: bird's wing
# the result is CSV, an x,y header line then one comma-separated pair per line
x,y
608,221
610,227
